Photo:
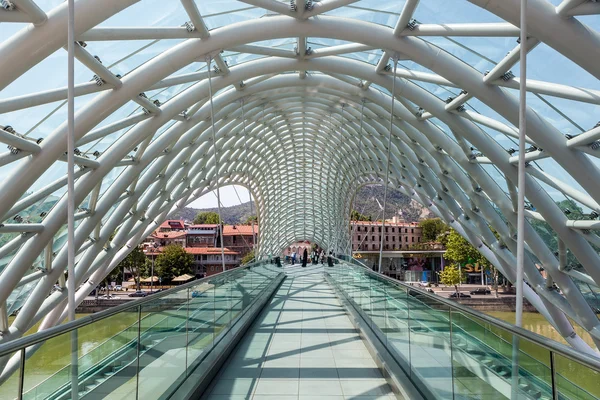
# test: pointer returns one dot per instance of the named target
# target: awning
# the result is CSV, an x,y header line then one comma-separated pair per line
x,y
183,278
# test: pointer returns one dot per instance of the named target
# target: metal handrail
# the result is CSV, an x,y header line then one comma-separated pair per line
x,y
549,344
21,343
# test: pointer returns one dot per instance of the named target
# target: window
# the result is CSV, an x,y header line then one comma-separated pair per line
x,y
413,239
419,239
379,229
372,229
393,238
359,237
405,230
406,239
373,238
372,247
386,229
412,231
386,239
393,230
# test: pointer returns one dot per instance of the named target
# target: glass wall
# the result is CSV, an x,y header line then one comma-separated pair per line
x,y
452,352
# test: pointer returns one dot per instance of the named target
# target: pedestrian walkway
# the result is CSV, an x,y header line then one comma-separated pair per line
x,y
302,347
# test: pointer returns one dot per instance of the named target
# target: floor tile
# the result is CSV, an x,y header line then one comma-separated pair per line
x,y
277,387
322,387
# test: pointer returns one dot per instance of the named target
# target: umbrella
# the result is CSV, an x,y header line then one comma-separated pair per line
x,y
148,280
183,278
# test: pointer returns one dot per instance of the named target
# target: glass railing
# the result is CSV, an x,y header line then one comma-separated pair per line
x,y
144,349
450,351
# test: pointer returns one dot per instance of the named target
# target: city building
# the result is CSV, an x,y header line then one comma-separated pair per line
x,y
404,257
366,235
240,238
205,235
203,242
207,260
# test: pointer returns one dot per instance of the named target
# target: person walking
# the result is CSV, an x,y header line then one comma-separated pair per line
x,y
293,258
304,258
322,256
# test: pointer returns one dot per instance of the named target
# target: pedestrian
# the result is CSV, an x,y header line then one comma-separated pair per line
x,y
293,258
304,258
322,256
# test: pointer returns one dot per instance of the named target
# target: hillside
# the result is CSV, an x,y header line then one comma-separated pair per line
x,y
365,203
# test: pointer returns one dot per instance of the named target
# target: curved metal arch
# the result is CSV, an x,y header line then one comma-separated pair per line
x,y
442,178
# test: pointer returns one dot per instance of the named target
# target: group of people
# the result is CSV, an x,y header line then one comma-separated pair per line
x,y
316,255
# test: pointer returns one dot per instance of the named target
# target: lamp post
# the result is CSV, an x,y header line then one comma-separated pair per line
x,y
152,270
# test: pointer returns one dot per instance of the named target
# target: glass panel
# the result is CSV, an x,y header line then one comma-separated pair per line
x,y
9,389
575,381
200,321
431,363
107,351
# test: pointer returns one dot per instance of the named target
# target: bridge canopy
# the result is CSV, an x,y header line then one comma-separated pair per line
x,y
301,102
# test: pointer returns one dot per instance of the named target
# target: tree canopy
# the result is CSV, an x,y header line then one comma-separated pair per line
x,y
460,251
248,258
432,228
451,275
206,217
173,262
136,262
356,216
251,219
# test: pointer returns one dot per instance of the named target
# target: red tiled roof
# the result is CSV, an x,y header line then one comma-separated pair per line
x,y
173,224
169,235
229,230
209,250
193,250
203,226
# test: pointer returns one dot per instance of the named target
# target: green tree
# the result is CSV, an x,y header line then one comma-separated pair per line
x,y
356,216
206,217
460,251
172,262
113,276
451,276
251,219
136,263
248,258
432,228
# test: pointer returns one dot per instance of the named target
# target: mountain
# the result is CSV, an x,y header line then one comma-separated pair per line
x,y
365,202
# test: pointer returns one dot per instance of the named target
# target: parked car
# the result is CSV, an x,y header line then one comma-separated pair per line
x,y
138,293
108,296
118,288
459,295
197,293
480,290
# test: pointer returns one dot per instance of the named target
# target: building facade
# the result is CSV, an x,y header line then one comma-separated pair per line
x,y
240,238
366,235
203,242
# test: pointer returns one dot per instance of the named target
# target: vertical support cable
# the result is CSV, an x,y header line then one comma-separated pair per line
x,y
212,125
247,167
387,167
339,228
521,168
353,230
521,195
71,192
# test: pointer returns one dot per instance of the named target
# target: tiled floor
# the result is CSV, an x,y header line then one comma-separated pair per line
x,y
303,347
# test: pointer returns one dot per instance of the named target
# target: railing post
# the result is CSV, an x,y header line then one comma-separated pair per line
x,y
187,321
22,374
553,376
139,345
451,351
